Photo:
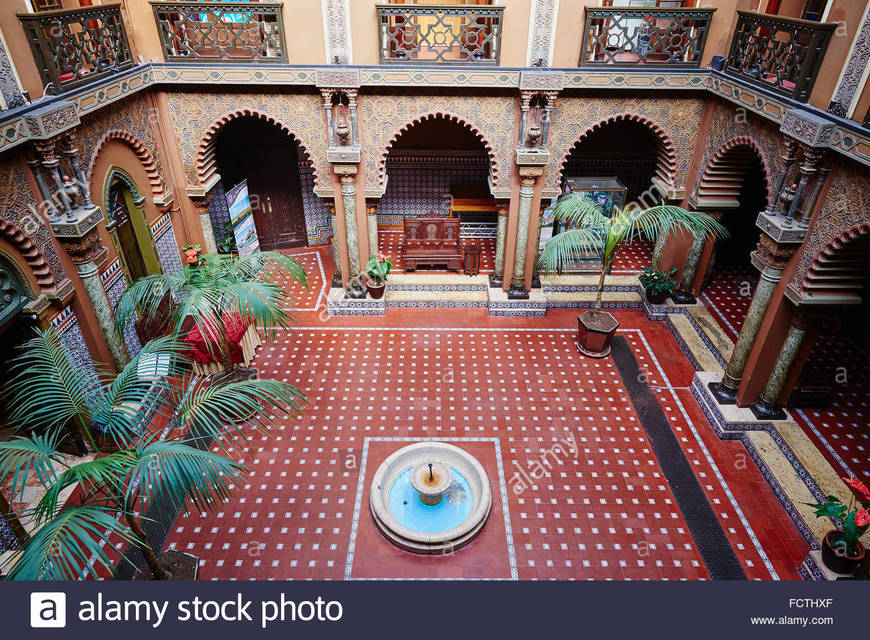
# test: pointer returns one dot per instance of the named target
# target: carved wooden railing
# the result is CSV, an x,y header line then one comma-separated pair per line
x,y
469,34
221,31
780,54
628,36
73,47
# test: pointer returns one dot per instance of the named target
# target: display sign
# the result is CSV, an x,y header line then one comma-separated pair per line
x,y
242,219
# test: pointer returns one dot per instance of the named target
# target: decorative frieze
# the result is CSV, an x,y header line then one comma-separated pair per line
x,y
807,127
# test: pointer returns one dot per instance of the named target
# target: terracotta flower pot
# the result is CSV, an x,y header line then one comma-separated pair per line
x,y
836,559
595,330
376,292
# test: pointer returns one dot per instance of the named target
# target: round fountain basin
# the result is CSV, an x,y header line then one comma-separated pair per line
x,y
412,524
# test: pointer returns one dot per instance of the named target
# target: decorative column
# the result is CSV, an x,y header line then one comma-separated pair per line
x,y
809,203
528,175
788,157
807,170
336,251
767,406
771,258
206,226
372,219
347,174
683,294
658,251
495,279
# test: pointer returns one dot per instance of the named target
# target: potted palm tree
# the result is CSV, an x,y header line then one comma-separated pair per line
x,y
591,231
150,429
214,294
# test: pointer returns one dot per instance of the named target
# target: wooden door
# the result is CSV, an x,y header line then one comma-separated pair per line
x,y
276,197
127,236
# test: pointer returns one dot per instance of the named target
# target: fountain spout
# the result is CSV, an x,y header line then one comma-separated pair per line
x,y
431,480
431,477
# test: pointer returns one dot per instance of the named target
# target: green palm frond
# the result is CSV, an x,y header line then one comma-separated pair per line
x,y
262,301
183,473
137,392
143,297
25,455
46,389
62,548
579,211
568,247
219,410
101,477
667,219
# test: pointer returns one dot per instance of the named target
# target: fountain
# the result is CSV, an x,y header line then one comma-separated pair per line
x,y
430,497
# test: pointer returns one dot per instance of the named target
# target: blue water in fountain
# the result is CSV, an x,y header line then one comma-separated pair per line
x,y
410,511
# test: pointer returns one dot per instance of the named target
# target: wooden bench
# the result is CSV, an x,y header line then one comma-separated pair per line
x,y
431,241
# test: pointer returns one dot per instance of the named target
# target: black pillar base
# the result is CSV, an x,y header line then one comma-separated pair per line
x,y
723,393
495,281
764,410
683,297
516,292
355,291
336,281
536,281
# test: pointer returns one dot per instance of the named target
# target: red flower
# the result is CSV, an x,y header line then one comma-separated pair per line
x,y
862,518
858,485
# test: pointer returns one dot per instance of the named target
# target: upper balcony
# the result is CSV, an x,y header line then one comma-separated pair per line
x,y
431,33
634,36
74,47
780,54
220,31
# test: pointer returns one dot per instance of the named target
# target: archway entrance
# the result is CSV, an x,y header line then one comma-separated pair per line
x,y
439,167
132,236
627,151
268,157
729,279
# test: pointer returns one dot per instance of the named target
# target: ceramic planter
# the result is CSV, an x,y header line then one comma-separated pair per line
x,y
657,298
835,559
376,292
595,330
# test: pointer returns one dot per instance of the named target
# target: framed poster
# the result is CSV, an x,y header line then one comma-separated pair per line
x,y
242,219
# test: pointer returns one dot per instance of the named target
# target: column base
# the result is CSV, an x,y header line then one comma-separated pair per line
x,y
517,292
536,281
355,291
495,281
683,297
723,393
765,410
336,281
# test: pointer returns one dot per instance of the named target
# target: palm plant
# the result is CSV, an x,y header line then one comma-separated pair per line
x,y
151,429
592,231
209,289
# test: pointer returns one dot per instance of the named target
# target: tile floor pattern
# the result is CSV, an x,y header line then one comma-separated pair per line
x,y
605,513
840,431
729,294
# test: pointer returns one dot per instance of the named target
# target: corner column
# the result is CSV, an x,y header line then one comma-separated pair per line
x,y
771,258
528,175
767,406
683,294
497,276
347,175
336,248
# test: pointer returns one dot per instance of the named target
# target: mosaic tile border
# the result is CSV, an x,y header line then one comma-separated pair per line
x,y
357,507
436,304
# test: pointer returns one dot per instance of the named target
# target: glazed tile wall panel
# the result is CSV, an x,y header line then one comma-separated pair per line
x,y
167,245
115,282
7,537
318,223
383,116
67,326
193,114
572,116
218,211
416,192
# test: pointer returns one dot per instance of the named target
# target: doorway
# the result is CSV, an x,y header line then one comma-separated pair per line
x,y
132,236
261,152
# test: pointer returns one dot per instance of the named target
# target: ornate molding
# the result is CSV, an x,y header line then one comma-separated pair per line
x,y
47,122
807,127
543,26
336,23
337,79
542,80
841,103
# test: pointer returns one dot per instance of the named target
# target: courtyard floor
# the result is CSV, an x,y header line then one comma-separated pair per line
x,y
507,389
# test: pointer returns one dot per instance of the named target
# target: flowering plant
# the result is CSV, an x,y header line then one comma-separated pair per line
x,y
855,517
191,253
378,268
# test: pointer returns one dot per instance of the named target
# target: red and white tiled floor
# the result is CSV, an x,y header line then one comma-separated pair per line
x,y
373,383
842,430
729,294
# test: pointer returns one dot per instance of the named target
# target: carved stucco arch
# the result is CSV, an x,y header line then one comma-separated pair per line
x,y
31,254
719,158
141,151
666,158
206,161
848,277
436,115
